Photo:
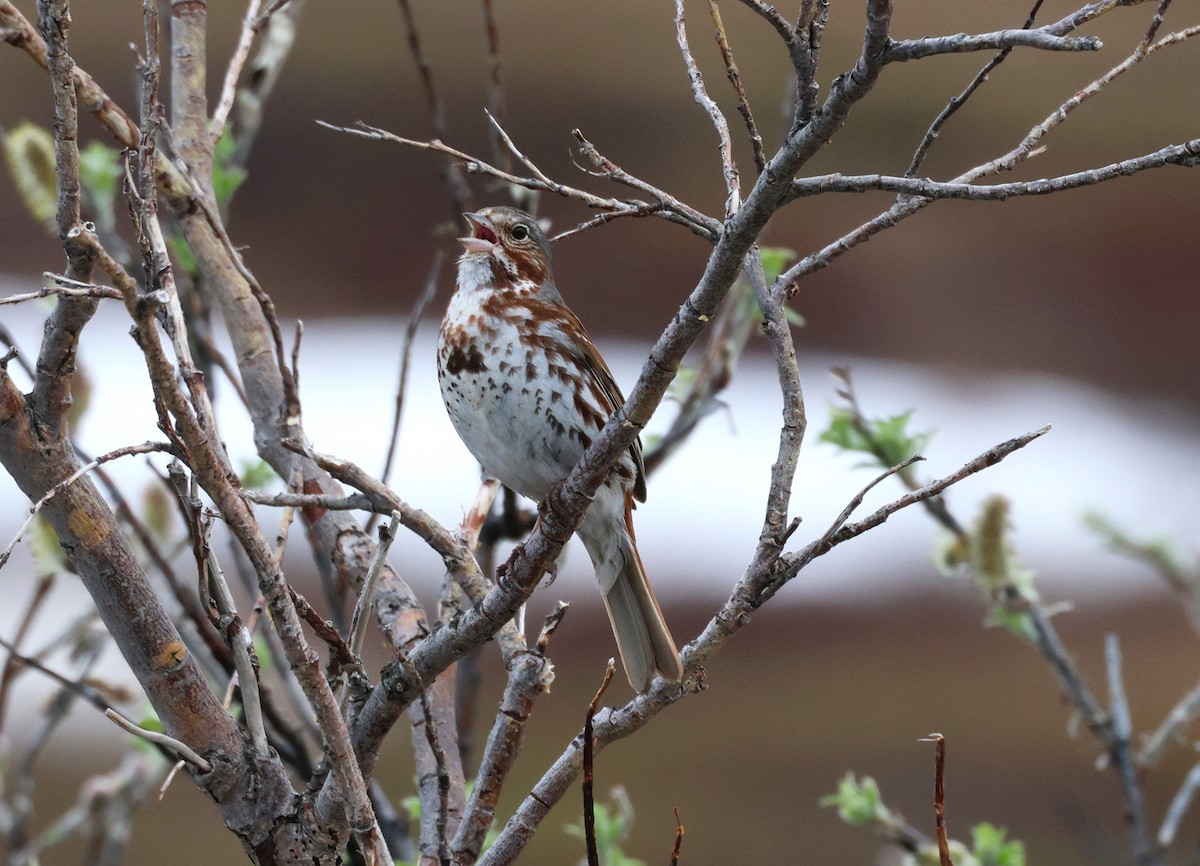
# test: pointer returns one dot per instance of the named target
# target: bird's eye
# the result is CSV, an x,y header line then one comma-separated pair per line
x,y
520,233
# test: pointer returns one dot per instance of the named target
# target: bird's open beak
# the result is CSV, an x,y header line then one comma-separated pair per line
x,y
483,236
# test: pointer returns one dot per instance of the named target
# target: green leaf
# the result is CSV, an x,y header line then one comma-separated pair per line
x,y
857,802
888,440
99,172
226,177
262,649
47,553
775,260
681,384
612,827
257,475
182,255
794,318
991,849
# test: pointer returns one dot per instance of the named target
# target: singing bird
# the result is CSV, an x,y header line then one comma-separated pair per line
x,y
527,391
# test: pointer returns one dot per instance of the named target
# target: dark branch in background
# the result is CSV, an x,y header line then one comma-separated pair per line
x,y
589,802
735,78
410,332
456,183
678,840
939,797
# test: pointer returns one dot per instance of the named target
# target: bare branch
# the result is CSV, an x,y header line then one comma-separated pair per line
x,y
915,49
233,71
939,796
735,78
358,622
957,102
1171,729
144,448
788,282
1178,808
1122,758
410,333
183,750
670,208
63,292
621,722
589,807
700,94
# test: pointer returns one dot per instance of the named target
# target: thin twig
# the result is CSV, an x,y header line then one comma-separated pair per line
x,y
671,208
1122,758
700,94
957,102
1171,729
1178,808
329,501
358,622
901,50
60,291
234,71
410,332
735,78
589,805
678,840
183,750
1155,23
144,448
939,796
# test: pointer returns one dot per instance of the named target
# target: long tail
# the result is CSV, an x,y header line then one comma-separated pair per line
x,y
643,639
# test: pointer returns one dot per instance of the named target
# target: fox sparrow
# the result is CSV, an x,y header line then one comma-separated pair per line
x,y
527,392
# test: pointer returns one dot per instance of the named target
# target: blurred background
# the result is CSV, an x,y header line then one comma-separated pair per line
x,y
987,319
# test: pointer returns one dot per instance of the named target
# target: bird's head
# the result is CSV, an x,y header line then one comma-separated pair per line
x,y
511,241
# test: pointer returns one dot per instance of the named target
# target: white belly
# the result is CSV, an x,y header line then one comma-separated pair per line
x,y
513,414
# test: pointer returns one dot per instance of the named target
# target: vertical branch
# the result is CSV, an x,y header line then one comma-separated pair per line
x,y
778,332
806,51
273,50
496,104
56,361
233,71
939,796
530,676
410,332
452,173
700,94
189,99
1144,853
589,803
